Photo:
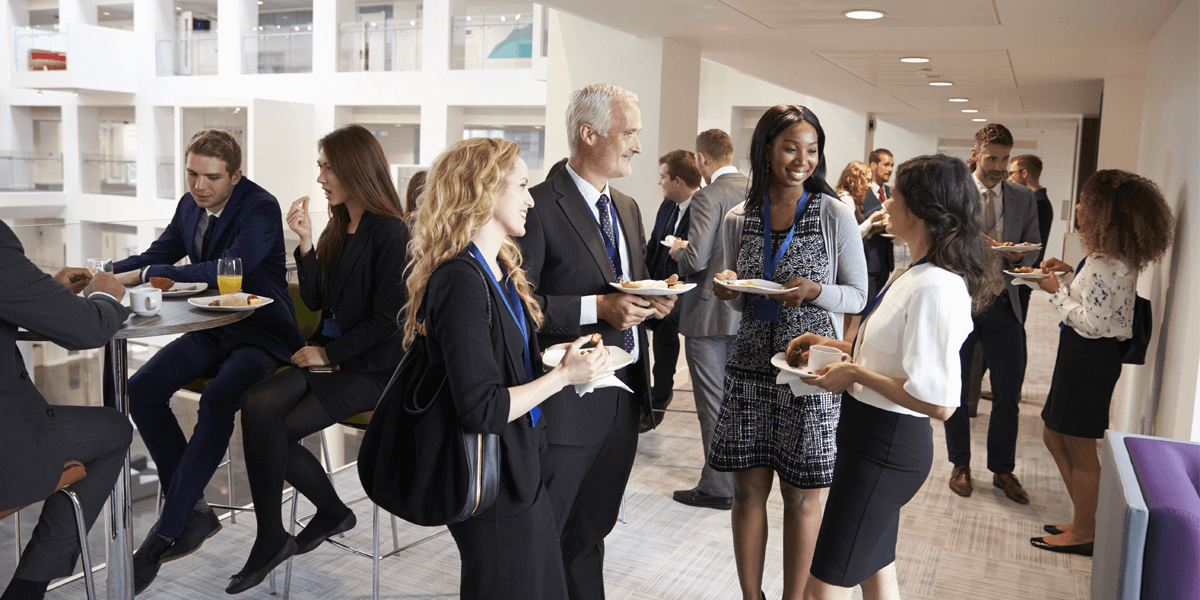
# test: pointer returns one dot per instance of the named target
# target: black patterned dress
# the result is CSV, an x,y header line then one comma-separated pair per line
x,y
761,423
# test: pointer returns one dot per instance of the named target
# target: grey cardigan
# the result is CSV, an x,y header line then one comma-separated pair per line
x,y
845,288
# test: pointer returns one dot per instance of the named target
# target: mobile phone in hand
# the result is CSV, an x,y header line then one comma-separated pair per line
x,y
328,369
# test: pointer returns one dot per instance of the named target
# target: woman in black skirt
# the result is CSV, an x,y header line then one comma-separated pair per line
x,y
905,370
354,276
1125,224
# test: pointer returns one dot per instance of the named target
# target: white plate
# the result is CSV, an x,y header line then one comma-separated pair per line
x,y
203,303
1033,248
617,358
888,235
780,362
687,287
669,241
1027,275
175,292
762,286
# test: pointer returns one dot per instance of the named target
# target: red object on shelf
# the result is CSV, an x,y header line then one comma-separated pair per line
x,y
47,60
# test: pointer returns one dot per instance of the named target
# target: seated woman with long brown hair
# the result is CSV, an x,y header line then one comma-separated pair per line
x,y
354,276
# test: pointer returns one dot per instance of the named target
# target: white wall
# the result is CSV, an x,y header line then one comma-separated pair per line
x,y
1161,397
1121,122
903,143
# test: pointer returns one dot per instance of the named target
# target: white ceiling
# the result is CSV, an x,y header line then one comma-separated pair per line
x,y
1028,63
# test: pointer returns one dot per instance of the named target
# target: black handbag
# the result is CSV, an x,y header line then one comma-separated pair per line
x,y
415,460
1133,350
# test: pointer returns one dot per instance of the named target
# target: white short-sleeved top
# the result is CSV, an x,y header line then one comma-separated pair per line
x,y
915,333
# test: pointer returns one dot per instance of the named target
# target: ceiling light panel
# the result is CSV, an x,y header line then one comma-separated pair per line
x,y
990,68
797,14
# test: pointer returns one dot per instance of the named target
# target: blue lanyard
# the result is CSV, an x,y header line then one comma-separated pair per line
x,y
873,302
511,300
769,264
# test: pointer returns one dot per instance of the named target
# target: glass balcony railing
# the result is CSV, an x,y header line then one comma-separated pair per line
x,y
492,42
29,173
389,45
114,175
196,55
165,174
39,49
279,51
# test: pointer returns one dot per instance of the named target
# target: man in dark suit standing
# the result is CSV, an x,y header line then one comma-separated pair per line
x,y
580,237
37,438
224,215
1026,170
679,179
880,257
1009,215
708,324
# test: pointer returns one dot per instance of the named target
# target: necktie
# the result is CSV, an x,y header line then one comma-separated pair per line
x,y
198,240
208,233
614,254
673,220
882,194
989,213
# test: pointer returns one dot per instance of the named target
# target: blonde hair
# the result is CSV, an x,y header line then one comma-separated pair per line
x,y
459,195
855,180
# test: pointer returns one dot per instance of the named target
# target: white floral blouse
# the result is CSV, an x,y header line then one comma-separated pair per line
x,y
1098,302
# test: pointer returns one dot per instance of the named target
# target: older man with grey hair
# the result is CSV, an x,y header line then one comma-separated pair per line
x,y
581,236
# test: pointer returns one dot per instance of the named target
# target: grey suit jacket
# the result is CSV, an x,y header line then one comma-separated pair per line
x,y
1020,225
701,314
30,440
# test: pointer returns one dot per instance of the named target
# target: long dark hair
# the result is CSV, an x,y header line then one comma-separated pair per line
x,y
359,163
774,122
938,190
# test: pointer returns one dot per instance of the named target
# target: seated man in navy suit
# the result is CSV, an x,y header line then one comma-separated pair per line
x,y
224,215
679,178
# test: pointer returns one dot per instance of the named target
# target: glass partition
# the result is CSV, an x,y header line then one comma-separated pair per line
x,y
279,51
492,42
385,45
195,55
107,174
27,173
39,48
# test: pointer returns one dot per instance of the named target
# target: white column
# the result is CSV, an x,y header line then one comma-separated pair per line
x,y
1121,123
147,151
435,43
72,154
326,24
236,19
441,126
77,11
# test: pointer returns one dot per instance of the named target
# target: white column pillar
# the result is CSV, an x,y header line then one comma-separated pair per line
x,y
441,126
326,24
1121,123
147,151
236,19
77,11
72,154
435,43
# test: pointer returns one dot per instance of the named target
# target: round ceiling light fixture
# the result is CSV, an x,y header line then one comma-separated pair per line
x,y
863,15
979,120
914,59
941,83
970,110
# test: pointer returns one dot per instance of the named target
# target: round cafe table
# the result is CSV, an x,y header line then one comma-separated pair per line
x,y
176,316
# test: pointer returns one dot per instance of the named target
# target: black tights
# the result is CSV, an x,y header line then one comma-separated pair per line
x,y
277,414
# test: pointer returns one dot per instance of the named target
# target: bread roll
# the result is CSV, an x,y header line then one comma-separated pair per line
x,y
161,283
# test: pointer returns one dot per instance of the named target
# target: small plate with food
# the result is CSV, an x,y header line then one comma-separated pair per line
x,y
174,289
617,358
754,286
230,302
779,361
1022,247
669,242
1028,273
654,287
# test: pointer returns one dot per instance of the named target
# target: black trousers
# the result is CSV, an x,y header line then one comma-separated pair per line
x,y
586,485
665,343
98,438
1002,338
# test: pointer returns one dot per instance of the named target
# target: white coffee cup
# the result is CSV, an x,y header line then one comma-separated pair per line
x,y
145,301
820,357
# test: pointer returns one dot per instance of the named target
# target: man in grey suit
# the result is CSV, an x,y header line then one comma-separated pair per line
x,y
1009,215
709,325
36,439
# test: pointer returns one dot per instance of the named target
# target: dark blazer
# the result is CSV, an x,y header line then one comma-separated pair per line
x,y
366,294
482,356
658,257
1020,225
565,258
880,256
250,228
1045,212
30,442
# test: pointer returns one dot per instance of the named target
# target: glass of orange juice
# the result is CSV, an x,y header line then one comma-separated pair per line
x,y
229,275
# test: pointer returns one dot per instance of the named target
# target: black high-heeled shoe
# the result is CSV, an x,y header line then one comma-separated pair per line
x,y
314,534
1080,549
247,579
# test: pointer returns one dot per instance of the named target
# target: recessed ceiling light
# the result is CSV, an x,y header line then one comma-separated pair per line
x,y
468,18
106,13
412,22
979,120
940,83
958,100
914,59
970,110
517,18
503,18
863,15
178,8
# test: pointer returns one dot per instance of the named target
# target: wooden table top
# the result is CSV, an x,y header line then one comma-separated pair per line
x,y
176,316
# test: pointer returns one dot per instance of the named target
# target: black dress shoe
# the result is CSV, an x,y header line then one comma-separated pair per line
x,y
1080,549
695,497
1051,529
145,560
246,580
200,526
315,534
648,422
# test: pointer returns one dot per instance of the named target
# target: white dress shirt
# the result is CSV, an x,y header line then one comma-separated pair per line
x,y
587,304
998,201
914,333
679,217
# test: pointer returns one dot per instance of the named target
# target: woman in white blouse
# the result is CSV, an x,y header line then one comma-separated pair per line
x,y
1125,224
905,369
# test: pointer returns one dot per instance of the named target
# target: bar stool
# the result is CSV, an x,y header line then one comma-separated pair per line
x,y
73,471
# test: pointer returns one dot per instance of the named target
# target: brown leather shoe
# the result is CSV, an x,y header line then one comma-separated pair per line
x,y
1008,483
961,482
